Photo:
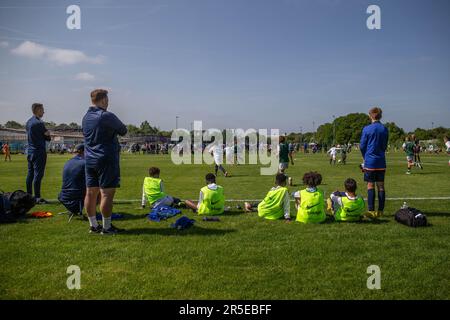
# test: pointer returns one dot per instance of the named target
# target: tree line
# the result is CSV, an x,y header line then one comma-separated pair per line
x,y
144,129
343,130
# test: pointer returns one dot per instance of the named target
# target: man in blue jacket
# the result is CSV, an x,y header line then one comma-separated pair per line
x,y
100,130
37,135
373,145
73,190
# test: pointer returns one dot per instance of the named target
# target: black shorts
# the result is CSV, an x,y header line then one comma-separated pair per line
x,y
105,176
374,175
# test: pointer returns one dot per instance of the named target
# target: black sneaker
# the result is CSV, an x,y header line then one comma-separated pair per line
x,y
97,229
41,201
111,231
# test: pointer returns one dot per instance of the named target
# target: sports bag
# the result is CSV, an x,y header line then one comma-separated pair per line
x,y
411,217
14,205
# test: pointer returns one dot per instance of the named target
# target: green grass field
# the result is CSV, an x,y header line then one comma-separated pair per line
x,y
240,257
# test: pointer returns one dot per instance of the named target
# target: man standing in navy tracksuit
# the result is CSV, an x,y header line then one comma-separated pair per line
x,y
73,188
102,152
37,135
373,145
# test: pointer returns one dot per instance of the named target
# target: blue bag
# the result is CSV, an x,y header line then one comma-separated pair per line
x,y
162,213
183,223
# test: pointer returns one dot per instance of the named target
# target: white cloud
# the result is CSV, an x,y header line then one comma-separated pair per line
x,y
4,44
35,50
85,76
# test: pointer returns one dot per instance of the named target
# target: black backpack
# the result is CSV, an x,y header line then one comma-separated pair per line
x,y
14,205
411,217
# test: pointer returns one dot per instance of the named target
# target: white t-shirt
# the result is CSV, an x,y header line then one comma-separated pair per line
x,y
217,151
447,144
337,200
333,151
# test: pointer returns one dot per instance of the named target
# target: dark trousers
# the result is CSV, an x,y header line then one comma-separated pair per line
x,y
72,203
36,168
217,167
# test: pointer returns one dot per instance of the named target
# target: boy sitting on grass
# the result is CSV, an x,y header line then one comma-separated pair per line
x,y
211,200
153,191
276,204
310,201
347,206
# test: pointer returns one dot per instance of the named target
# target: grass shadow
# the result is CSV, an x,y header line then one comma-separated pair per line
x,y
331,220
233,213
436,214
129,216
194,230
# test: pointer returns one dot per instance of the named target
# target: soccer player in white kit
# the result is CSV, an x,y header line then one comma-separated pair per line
x,y
332,152
447,146
217,152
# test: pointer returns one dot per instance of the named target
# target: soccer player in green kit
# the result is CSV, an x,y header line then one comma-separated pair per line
x,y
285,156
408,147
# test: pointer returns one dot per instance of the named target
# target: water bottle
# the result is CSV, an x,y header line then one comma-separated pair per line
x,y
404,206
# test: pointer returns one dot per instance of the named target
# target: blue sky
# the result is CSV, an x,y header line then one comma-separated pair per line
x,y
230,63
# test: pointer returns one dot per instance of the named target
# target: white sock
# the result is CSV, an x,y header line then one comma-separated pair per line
x,y
106,223
93,221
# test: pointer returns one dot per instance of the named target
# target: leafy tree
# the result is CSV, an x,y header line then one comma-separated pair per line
x,y
50,125
349,128
14,125
62,127
74,126
324,134
396,134
132,129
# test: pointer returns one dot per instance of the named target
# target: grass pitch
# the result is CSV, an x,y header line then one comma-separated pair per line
x,y
240,257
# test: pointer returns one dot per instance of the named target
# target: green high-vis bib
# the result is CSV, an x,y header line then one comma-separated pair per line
x,y
213,201
351,210
312,207
152,189
271,207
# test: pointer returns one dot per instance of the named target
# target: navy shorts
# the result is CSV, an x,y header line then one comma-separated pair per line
x,y
374,176
105,176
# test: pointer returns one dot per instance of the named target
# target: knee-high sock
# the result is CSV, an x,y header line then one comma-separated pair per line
x,y
381,200
371,199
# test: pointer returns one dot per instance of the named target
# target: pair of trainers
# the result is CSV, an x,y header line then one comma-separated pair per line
x,y
111,231
374,214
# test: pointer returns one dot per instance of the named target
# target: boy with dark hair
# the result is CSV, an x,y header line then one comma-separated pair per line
x,y
309,202
211,199
285,156
153,191
276,203
347,206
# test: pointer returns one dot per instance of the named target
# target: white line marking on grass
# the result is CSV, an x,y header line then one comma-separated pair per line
x,y
254,200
